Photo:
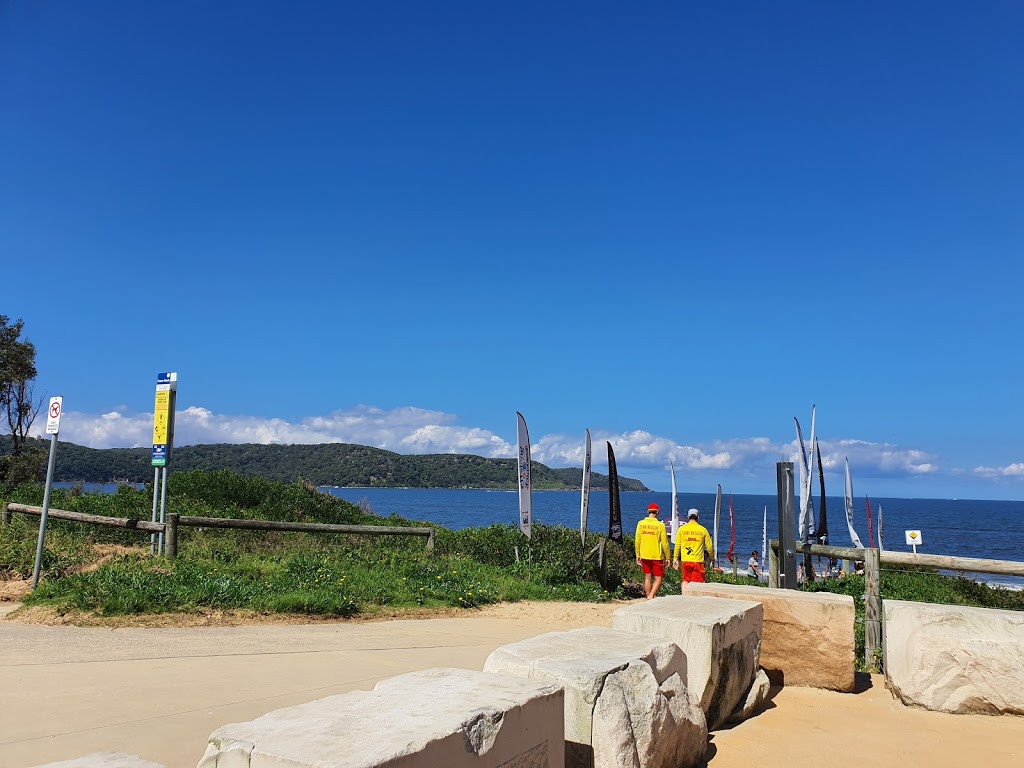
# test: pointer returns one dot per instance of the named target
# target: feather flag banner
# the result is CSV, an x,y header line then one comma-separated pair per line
x,y
585,492
804,485
881,544
849,508
614,506
675,506
525,494
732,532
871,525
764,541
806,522
718,514
822,517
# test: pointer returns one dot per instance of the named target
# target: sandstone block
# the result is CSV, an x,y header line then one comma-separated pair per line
x,y
808,637
950,658
625,700
455,718
104,760
721,640
754,700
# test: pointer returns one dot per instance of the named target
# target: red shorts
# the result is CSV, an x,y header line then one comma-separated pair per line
x,y
657,567
693,572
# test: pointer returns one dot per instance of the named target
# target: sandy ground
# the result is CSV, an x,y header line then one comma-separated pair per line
x,y
159,691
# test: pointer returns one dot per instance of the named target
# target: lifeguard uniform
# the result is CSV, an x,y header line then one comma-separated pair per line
x,y
692,542
651,545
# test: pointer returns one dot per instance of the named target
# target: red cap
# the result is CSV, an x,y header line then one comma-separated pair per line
x,y
653,508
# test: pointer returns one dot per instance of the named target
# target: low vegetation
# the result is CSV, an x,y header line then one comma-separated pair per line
x,y
335,575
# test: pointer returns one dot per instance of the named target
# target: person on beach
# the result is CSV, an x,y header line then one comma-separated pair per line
x,y
753,569
693,545
652,552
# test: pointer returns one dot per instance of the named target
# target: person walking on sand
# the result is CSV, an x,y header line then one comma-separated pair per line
x,y
693,544
652,552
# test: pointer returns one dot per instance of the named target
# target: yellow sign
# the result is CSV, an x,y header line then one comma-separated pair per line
x,y
161,416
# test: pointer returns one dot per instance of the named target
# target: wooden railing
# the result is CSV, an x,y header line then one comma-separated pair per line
x,y
80,517
175,521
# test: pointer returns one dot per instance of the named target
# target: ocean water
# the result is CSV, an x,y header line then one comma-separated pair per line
x,y
960,527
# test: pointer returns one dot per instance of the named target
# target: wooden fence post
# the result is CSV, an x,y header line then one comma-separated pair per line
x,y
872,608
430,542
773,564
6,515
172,535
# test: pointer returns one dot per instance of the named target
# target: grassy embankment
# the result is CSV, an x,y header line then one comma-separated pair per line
x,y
335,575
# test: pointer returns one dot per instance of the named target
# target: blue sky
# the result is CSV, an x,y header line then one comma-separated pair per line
x,y
398,223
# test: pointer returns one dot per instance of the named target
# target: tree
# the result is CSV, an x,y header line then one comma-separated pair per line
x,y
17,373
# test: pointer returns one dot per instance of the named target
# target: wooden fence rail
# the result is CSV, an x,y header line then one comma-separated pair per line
x,y
80,517
174,521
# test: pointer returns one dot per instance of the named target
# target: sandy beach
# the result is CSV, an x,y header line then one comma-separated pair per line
x,y
159,691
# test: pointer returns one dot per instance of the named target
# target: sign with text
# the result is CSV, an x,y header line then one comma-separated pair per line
x,y
53,415
163,418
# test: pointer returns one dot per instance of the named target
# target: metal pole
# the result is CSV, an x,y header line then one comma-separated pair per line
x,y
46,510
773,564
787,524
156,498
163,509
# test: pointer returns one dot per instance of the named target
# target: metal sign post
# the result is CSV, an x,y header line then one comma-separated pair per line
x,y
914,539
787,525
53,415
163,440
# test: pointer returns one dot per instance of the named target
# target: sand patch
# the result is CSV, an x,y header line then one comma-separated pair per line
x,y
562,614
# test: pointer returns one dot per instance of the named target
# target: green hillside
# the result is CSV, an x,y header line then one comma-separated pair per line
x,y
340,464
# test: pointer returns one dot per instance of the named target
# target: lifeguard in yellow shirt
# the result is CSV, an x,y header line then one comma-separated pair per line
x,y
652,552
693,543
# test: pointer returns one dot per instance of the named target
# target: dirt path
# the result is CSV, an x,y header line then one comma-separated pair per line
x,y
159,692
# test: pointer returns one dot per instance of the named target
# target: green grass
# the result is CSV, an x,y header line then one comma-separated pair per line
x,y
275,572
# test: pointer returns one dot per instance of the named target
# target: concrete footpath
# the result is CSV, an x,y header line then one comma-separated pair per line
x,y
159,692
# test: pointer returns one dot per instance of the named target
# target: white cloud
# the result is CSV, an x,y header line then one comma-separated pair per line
x,y
874,458
635,448
1010,470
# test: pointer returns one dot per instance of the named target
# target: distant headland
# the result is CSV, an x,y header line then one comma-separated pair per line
x,y
336,464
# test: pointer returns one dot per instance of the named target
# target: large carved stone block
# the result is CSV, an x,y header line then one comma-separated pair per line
x,y
721,639
625,701
954,659
808,637
455,718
